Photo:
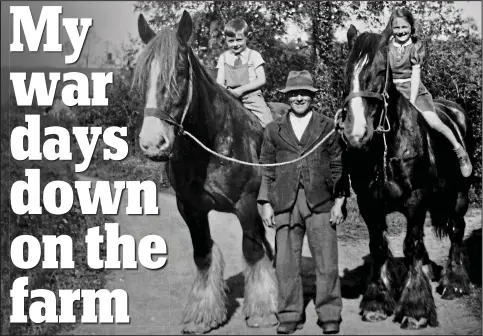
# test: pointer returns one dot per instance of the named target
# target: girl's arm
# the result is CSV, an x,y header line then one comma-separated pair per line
x,y
415,82
417,57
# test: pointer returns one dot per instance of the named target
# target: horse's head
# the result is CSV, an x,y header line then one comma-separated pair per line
x,y
163,72
365,82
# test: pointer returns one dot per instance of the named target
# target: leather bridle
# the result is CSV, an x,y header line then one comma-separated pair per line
x,y
384,97
165,116
383,120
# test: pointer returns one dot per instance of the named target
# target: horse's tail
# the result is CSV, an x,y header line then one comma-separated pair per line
x,y
440,214
447,200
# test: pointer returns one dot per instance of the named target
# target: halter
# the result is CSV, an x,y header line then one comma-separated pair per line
x,y
168,117
384,96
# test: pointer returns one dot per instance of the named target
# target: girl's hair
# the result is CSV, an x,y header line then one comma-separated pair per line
x,y
236,26
402,13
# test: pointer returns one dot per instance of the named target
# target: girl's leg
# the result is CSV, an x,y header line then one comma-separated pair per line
x,y
436,123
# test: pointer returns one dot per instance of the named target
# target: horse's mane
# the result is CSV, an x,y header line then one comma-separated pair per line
x,y
165,47
366,44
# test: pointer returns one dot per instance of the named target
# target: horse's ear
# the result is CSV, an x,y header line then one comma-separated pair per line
x,y
351,35
185,27
145,32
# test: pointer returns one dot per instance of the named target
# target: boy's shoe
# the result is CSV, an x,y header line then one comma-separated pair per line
x,y
289,327
464,161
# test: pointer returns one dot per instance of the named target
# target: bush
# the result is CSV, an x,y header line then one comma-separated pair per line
x,y
73,223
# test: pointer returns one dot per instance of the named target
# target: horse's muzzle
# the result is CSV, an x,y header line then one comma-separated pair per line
x,y
357,141
157,156
155,140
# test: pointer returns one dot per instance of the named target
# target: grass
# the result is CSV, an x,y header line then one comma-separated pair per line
x,y
73,224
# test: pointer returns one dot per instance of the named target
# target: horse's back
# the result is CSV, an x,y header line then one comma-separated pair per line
x,y
453,114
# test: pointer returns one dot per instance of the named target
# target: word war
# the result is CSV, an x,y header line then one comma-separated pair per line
x,y
48,25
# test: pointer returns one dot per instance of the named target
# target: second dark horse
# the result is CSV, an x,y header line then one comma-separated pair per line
x,y
397,163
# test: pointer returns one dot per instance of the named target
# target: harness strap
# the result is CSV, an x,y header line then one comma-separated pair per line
x,y
365,94
170,119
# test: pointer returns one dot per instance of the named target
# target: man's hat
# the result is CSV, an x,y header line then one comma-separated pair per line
x,y
299,80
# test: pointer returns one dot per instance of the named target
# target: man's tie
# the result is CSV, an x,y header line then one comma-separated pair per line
x,y
238,61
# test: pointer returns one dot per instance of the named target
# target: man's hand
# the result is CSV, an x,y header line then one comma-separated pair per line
x,y
336,213
268,215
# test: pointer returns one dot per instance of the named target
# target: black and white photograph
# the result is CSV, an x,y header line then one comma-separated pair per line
x,y
241,167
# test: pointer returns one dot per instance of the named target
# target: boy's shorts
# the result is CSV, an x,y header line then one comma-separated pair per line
x,y
257,105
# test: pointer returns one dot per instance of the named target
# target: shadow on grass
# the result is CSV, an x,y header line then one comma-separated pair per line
x,y
354,282
236,285
472,251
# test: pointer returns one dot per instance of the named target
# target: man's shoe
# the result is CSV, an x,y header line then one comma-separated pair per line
x,y
289,327
464,161
331,327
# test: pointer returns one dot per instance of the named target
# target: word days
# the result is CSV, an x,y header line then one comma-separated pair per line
x,y
58,148
49,23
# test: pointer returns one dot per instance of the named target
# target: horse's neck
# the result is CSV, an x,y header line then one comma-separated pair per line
x,y
204,118
407,131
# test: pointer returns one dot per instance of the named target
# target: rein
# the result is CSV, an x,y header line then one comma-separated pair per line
x,y
181,131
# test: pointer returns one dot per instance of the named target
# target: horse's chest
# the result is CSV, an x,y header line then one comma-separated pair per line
x,y
214,186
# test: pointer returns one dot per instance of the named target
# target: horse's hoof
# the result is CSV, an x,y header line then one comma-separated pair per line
x,y
412,324
374,316
258,321
451,293
195,329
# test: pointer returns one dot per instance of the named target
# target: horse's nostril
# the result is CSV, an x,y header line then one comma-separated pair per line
x,y
161,143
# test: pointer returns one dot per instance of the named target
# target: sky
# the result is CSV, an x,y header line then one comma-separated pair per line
x,y
113,22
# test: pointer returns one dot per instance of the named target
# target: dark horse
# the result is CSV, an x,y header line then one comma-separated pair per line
x,y
181,95
396,163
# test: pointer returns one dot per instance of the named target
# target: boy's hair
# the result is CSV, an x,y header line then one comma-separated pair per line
x,y
236,26
402,13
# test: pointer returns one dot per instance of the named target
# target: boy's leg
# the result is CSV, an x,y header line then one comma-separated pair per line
x,y
322,239
435,122
257,105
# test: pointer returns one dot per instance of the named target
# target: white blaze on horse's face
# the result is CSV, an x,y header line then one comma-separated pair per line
x,y
153,137
356,104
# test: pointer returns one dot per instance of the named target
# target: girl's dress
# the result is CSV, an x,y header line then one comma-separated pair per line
x,y
402,59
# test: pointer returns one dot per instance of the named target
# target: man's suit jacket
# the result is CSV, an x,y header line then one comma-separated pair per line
x,y
320,173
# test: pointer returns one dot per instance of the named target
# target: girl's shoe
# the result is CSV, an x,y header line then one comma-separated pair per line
x,y
464,160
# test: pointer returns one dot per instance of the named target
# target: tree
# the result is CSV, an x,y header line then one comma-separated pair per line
x,y
452,67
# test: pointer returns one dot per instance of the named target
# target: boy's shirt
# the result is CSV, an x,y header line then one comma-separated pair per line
x,y
254,62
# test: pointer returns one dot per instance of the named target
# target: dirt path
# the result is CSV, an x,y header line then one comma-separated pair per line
x,y
156,298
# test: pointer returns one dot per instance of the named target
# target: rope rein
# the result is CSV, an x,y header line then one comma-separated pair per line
x,y
259,164
182,131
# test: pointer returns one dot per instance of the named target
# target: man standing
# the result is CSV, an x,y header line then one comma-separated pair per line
x,y
305,196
